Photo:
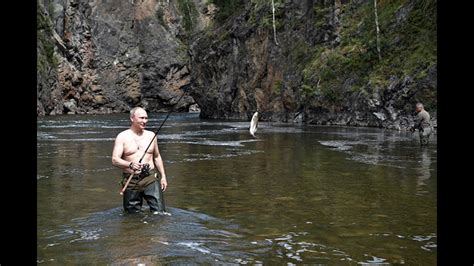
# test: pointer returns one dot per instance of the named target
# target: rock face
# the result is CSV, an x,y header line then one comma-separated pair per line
x,y
239,69
111,56
321,70
102,56
391,107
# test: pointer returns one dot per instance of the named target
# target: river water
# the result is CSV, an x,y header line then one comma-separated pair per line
x,y
293,195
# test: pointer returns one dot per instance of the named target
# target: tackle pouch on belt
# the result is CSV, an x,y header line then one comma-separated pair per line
x,y
140,181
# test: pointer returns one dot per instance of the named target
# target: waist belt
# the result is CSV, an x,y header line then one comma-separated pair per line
x,y
139,182
138,176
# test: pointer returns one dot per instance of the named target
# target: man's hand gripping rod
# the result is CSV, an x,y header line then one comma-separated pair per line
x,y
156,133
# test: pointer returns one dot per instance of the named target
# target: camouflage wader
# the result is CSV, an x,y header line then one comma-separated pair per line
x,y
140,188
424,134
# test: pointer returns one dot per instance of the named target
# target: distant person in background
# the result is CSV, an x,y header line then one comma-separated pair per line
x,y
422,124
129,147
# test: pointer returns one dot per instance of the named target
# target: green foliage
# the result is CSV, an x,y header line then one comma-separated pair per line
x,y
182,50
45,58
50,7
261,14
422,42
301,52
321,14
159,16
189,11
224,36
277,86
43,23
227,8
408,33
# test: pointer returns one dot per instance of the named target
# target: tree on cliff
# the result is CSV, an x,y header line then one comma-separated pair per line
x,y
274,26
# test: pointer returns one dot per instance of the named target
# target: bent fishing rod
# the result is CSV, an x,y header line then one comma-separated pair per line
x,y
144,153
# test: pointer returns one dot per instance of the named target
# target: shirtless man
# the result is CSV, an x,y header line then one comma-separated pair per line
x,y
128,149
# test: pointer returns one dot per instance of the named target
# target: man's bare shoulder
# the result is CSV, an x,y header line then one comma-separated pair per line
x,y
124,134
149,133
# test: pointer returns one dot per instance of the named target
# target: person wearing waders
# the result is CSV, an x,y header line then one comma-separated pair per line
x,y
422,123
129,155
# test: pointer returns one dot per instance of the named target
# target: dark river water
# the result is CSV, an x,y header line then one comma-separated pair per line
x,y
293,195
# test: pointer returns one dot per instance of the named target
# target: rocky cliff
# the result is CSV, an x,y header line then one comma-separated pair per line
x,y
318,62
108,56
323,66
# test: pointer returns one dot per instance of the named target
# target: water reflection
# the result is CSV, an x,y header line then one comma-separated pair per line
x,y
424,171
293,195
112,237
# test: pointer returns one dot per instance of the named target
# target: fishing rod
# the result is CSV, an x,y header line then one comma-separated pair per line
x,y
144,153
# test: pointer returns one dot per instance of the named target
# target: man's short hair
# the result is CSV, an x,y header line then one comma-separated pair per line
x,y
419,105
134,109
